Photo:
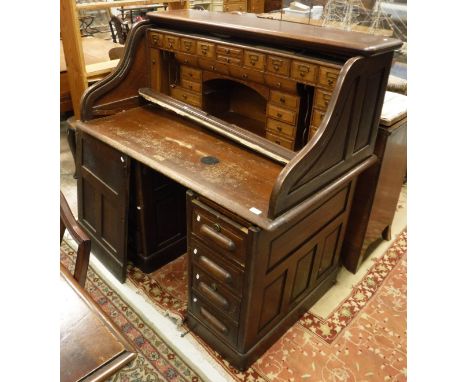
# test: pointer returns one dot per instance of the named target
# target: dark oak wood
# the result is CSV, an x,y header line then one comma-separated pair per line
x,y
377,193
268,144
91,347
68,222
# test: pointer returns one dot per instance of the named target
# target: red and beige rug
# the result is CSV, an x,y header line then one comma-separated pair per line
x,y
156,361
362,339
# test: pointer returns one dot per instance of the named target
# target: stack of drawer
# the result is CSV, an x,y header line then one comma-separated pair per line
x,y
325,84
235,6
190,89
217,250
282,110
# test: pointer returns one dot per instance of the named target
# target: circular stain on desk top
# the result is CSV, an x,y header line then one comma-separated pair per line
x,y
209,160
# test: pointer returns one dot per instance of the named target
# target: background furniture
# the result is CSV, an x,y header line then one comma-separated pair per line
x,y
91,347
378,188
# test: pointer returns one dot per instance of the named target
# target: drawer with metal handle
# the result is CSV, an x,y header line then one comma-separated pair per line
x,y
171,42
280,140
284,99
281,114
216,293
221,234
205,49
281,128
280,83
304,72
186,96
217,267
191,85
229,51
278,65
254,60
321,99
156,40
217,323
327,77
246,75
190,74
187,45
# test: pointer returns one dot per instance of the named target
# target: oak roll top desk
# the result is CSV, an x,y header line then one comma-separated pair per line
x,y
237,140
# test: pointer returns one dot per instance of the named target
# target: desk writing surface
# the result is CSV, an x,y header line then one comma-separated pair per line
x,y
174,146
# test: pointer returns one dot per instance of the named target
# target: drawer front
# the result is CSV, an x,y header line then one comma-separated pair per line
x,y
213,320
186,59
327,77
229,60
186,96
284,99
234,7
191,85
282,128
171,42
304,72
218,268
288,143
317,117
215,293
205,49
280,83
247,75
228,51
321,99
157,40
187,45
221,234
254,60
190,74
213,66
281,114
278,65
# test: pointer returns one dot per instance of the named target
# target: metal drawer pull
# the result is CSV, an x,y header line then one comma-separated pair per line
x,y
219,238
213,296
215,270
213,320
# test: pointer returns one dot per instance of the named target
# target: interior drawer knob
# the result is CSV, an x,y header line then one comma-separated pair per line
x,y
217,227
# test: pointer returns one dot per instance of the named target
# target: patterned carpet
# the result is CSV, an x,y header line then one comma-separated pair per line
x,y
156,361
363,339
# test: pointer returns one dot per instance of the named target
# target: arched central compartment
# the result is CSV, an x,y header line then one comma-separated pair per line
x,y
237,103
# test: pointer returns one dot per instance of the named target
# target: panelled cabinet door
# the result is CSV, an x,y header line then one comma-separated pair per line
x,y
103,188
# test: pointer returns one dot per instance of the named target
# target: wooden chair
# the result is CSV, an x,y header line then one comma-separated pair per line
x,y
68,221
122,29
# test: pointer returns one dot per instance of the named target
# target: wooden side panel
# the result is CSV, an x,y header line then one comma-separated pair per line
x,y
345,137
119,90
103,181
293,267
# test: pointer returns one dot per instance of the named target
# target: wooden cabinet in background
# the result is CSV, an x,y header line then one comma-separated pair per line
x,y
378,188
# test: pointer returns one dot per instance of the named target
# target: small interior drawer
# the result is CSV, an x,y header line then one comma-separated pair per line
x,y
205,49
190,74
229,60
279,140
157,40
186,96
229,51
317,116
284,99
281,83
187,45
281,114
322,99
304,71
171,42
191,85
246,75
278,65
281,128
254,60
327,77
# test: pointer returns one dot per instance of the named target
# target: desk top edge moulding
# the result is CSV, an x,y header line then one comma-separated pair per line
x,y
239,141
